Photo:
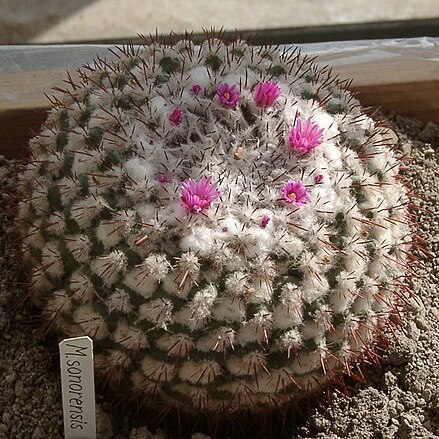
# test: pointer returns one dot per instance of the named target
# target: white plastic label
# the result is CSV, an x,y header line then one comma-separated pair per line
x,y
78,388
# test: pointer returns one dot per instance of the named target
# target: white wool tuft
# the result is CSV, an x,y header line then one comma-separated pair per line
x,y
289,312
200,372
200,241
51,259
220,340
158,312
60,303
199,75
201,304
250,364
229,309
110,266
157,370
83,211
176,345
81,287
79,246
139,280
139,170
256,329
129,337
119,301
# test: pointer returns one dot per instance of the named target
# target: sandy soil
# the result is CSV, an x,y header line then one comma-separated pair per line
x,y
398,400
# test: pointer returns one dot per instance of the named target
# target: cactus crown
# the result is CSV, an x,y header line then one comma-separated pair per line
x,y
223,220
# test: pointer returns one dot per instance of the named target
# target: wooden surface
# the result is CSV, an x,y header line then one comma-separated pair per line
x,y
402,80
23,107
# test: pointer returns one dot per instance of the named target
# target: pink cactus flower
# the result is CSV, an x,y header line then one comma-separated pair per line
x,y
196,89
318,179
264,221
163,179
266,94
228,95
176,116
305,136
197,196
295,192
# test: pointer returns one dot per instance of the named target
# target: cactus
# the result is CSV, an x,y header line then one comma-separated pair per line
x,y
225,221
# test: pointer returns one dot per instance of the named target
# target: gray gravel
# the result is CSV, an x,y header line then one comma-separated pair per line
x,y
399,400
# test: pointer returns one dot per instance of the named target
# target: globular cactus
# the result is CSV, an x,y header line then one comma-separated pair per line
x,y
225,222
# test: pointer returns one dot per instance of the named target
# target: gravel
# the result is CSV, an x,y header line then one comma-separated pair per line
x,y
398,400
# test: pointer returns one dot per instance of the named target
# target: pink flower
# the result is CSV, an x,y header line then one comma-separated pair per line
x,y
305,137
228,95
266,94
295,192
163,179
318,179
175,116
198,195
196,89
264,221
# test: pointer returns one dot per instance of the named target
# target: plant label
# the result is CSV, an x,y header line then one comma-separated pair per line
x,y
78,388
